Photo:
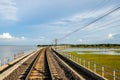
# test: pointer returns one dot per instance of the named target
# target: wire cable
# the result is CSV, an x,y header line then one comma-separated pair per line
x,y
109,12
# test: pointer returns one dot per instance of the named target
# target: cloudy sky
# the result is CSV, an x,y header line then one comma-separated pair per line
x,y
32,22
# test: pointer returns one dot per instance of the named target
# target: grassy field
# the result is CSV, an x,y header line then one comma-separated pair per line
x,y
111,61
118,51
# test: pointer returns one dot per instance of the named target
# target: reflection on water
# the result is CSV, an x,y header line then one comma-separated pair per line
x,y
7,52
110,51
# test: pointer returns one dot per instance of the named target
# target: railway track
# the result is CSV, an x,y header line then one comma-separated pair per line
x,y
40,69
49,65
57,72
78,71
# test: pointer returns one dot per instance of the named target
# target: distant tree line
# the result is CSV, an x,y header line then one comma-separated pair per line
x,y
43,45
54,45
97,45
86,45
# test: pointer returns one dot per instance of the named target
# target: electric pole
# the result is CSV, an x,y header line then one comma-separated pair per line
x,y
56,42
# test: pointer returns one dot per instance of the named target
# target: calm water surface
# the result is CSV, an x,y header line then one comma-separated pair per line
x,y
9,51
111,51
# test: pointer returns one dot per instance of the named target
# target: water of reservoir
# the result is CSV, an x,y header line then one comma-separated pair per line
x,y
7,52
109,51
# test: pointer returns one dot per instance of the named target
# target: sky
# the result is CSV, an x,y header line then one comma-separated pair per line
x,y
32,22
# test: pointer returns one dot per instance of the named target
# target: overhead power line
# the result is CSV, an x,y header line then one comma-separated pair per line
x,y
111,11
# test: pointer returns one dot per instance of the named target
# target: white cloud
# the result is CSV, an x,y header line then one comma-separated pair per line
x,y
79,40
112,20
78,19
85,15
8,36
22,37
40,39
5,36
58,23
8,10
110,36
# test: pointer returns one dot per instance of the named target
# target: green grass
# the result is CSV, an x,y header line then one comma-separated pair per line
x,y
86,52
117,51
112,61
